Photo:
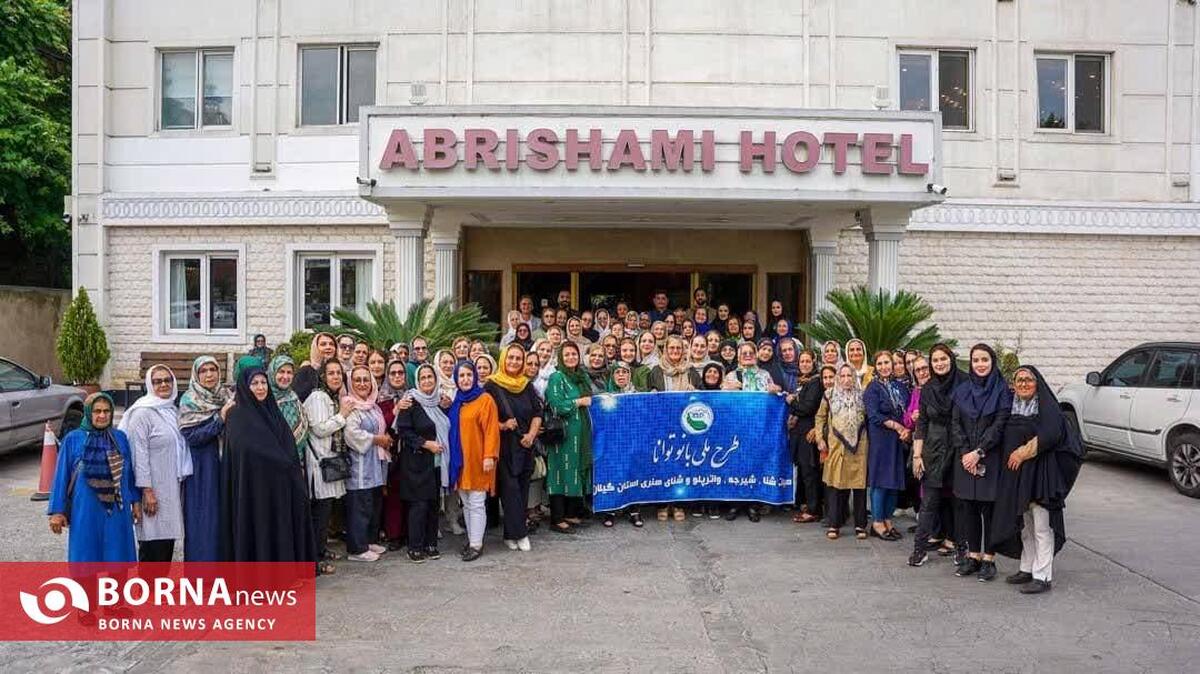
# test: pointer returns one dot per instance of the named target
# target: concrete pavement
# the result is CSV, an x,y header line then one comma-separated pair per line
x,y
705,596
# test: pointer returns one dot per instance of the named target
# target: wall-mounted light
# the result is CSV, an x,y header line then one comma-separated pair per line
x,y
417,93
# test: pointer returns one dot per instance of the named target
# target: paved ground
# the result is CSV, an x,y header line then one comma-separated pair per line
x,y
717,596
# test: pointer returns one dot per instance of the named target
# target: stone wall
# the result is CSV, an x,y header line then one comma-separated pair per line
x,y
1070,303
30,317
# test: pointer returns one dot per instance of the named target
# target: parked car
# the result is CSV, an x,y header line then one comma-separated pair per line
x,y
28,401
1145,406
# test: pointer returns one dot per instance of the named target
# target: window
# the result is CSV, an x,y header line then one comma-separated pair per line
x,y
16,378
1128,371
1171,369
1071,92
333,281
937,80
334,82
201,293
483,288
196,89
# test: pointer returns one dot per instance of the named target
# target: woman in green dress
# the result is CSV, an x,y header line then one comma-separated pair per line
x,y
569,464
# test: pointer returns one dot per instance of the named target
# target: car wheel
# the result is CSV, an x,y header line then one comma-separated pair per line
x,y
70,422
1073,422
1183,463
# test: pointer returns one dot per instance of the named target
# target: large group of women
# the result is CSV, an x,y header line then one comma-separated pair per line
x,y
375,448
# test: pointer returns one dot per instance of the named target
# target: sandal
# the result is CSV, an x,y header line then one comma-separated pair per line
x,y
680,515
662,514
805,518
754,515
860,534
325,568
331,555
832,534
635,518
796,517
608,520
559,529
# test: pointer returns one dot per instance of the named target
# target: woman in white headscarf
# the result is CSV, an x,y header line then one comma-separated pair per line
x,y
161,460
443,366
513,319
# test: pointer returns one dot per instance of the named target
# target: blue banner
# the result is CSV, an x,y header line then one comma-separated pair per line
x,y
689,446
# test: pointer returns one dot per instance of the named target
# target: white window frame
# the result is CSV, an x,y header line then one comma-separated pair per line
x,y
296,254
161,293
343,76
935,98
198,124
1105,100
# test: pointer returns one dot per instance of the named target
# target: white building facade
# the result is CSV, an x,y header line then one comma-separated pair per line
x,y
244,166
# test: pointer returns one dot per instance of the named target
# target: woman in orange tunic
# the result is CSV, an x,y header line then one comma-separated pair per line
x,y
474,448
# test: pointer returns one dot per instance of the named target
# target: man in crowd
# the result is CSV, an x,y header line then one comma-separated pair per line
x,y
699,298
525,306
660,311
564,300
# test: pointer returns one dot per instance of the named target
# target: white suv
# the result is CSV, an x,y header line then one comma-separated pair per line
x,y
1145,406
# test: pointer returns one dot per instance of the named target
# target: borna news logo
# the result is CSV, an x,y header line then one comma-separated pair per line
x,y
55,601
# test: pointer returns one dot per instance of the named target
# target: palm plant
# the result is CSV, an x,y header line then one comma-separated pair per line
x,y
439,324
880,319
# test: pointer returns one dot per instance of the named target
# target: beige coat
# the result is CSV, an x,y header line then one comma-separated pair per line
x,y
843,470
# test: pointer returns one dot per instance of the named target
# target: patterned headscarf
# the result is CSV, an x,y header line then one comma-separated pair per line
x,y
289,403
198,404
846,409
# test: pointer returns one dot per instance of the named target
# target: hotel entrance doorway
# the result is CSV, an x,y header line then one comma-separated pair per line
x,y
592,288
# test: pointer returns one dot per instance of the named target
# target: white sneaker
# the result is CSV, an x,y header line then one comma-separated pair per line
x,y
368,556
512,545
523,545
377,549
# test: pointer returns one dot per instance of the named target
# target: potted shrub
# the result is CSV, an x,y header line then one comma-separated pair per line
x,y
82,348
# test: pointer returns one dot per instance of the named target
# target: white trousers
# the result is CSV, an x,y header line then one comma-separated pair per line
x,y
475,513
1037,543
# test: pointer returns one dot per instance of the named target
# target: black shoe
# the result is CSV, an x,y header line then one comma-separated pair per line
x,y
635,518
918,557
754,515
697,512
1019,578
394,545
1036,587
893,535
416,556
960,556
912,529
713,513
969,567
609,520
731,515
987,572
433,553
472,554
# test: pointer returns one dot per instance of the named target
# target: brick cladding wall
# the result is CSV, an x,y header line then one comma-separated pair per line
x,y
130,265
1071,303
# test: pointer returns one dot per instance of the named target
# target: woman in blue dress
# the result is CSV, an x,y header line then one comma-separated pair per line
x,y
93,494
202,411
885,399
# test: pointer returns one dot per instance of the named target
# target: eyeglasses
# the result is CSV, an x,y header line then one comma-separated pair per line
x,y
420,348
923,368
345,347
1024,380
160,382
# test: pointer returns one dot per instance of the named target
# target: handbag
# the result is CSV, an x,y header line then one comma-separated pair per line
x,y
334,468
536,452
554,429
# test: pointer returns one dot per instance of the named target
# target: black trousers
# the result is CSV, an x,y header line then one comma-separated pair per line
x,y
562,507
974,520
362,519
422,524
514,495
929,520
839,502
808,469
321,509
946,522
161,550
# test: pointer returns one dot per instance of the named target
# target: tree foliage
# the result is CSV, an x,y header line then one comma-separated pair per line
x,y
35,137
439,324
882,320
82,348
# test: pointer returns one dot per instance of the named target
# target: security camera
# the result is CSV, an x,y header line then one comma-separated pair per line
x,y
934,188
66,219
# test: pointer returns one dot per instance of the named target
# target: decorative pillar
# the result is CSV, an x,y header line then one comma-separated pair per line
x,y
823,262
445,267
410,259
884,229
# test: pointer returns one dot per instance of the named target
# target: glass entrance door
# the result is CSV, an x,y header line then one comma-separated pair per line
x,y
594,289
605,289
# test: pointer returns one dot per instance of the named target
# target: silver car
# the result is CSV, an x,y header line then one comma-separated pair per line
x,y
28,401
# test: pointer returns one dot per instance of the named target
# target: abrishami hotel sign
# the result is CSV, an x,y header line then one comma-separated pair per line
x,y
546,152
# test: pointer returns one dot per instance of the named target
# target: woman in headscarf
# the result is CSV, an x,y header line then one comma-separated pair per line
x,y
260,350
687,330
842,439
596,368
749,332
93,494
377,364
781,329
748,376
202,411
768,361
485,366
478,348
934,456
659,330
424,436
621,379
1041,455
674,373
524,337
603,322
648,353
279,375
831,354
728,355
631,323
460,348
575,332
609,344
398,351
720,322
520,415
513,319
269,513
366,434
700,318
752,318
418,355
474,449
327,409
982,405
617,331
698,353
804,399
161,460
900,368
775,313
713,342
856,355
627,352
546,360
362,351
569,463
322,348
391,402
444,361
885,400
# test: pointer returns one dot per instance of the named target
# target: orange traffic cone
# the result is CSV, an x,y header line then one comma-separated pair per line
x,y
49,462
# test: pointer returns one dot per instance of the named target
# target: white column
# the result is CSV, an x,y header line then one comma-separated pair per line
x,y
823,262
410,259
884,229
445,267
